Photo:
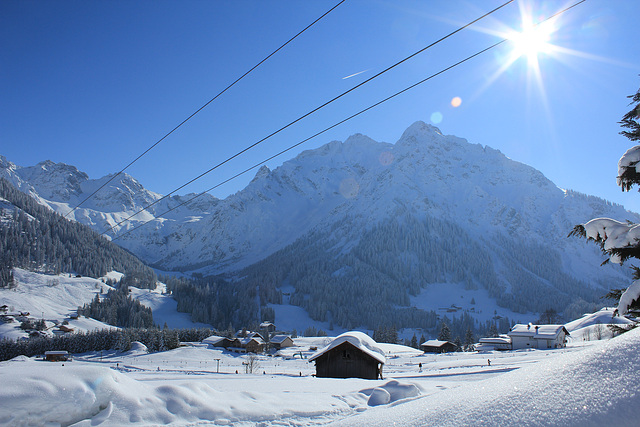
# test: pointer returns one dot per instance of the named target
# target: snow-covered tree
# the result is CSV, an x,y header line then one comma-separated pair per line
x,y
621,240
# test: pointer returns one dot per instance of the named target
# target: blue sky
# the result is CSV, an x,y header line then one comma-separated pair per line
x,y
95,83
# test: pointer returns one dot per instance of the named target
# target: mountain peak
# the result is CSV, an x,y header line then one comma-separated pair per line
x,y
46,164
262,172
421,128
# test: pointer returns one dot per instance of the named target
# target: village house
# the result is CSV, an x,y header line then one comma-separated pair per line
x,y
281,341
437,346
243,333
216,341
351,355
252,345
538,336
268,327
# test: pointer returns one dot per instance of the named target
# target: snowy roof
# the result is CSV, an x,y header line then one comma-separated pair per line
x,y
434,343
213,340
537,331
245,341
360,340
248,334
495,340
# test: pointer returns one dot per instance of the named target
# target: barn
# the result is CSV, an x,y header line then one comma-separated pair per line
x,y
351,355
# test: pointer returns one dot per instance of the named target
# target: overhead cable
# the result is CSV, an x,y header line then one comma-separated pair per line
x,y
306,115
203,107
341,122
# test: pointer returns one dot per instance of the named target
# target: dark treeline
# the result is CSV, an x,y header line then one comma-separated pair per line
x,y
371,284
117,308
35,238
218,303
115,339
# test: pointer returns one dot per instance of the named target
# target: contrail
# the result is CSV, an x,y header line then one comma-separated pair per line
x,y
353,75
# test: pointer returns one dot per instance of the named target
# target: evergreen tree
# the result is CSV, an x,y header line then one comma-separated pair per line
x,y
414,341
458,343
469,339
493,330
617,239
549,317
445,332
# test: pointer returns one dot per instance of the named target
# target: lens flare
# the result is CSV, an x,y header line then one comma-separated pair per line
x,y
436,117
456,102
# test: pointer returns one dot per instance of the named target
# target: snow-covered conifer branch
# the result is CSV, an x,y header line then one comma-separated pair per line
x,y
629,168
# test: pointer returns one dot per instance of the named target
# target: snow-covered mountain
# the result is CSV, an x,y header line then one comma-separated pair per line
x,y
345,197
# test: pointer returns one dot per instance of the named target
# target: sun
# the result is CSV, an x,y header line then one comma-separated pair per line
x,y
532,41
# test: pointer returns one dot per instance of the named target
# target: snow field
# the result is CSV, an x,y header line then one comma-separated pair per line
x,y
597,385
183,387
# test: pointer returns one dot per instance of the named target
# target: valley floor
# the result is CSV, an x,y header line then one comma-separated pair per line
x,y
588,383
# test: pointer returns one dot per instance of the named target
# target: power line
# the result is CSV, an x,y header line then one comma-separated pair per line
x,y
342,121
307,114
203,107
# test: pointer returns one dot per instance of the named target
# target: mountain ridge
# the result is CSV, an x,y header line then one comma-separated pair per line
x,y
344,190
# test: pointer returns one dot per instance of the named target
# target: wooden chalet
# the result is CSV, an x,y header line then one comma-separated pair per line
x,y
351,355
437,346
252,344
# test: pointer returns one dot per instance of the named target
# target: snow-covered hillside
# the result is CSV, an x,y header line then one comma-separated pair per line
x,y
55,298
586,384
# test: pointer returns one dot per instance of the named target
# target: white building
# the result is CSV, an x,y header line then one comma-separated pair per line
x,y
538,336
